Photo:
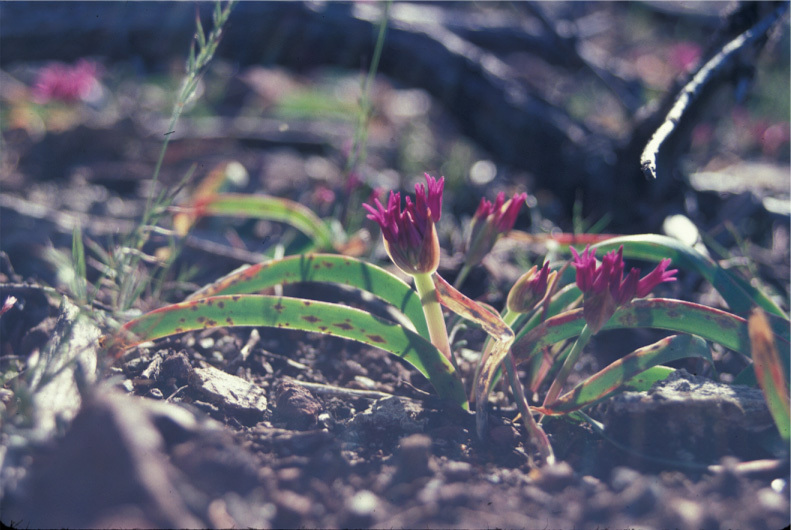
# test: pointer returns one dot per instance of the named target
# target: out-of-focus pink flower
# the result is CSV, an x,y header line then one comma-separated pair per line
x,y
530,288
353,182
410,235
58,81
323,195
491,220
604,287
775,137
684,55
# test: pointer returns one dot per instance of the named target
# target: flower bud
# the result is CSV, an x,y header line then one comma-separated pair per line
x,y
530,289
491,220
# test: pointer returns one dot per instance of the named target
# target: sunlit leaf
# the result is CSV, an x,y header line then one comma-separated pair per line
x,y
660,313
299,314
269,208
342,270
619,373
769,370
645,380
209,186
738,293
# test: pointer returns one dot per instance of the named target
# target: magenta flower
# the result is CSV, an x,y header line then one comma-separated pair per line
x,y
530,289
410,235
490,222
604,287
66,83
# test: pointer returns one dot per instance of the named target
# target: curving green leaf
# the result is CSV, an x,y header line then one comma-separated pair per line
x,y
270,208
332,268
619,373
770,372
300,314
738,293
645,380
673,315
562,299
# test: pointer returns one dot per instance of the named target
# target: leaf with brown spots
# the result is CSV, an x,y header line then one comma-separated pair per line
x,y
659,313
618,374
323,268
293,313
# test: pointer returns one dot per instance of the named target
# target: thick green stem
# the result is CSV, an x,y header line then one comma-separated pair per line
x,y
568,364
429,298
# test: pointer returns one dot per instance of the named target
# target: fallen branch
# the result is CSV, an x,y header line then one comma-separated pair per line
x,y
717,69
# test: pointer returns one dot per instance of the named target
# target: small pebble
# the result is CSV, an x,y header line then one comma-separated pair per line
x,y
689,513
457,471
622,477
363,504
771,500
556,477
412,457
296,406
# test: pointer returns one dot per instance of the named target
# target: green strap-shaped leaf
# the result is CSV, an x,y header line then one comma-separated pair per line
x,y
674,315
323,268
296,313
772,375
270,208
738,293
610,379
646,379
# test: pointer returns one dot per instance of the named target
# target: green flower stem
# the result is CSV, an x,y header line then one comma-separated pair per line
x,y
463,273
568,364
429,298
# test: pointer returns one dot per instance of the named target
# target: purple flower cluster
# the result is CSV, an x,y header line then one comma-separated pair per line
x,y
409,234
491,220
501,214
604,287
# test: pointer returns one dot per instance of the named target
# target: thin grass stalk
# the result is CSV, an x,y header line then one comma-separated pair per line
x,y
132,286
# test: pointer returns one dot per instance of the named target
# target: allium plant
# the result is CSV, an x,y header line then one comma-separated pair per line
x,y
604,289
410,239
540,315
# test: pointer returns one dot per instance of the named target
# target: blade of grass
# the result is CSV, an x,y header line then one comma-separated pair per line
x,y
646,379
613,377
300,314
79,287
323,268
